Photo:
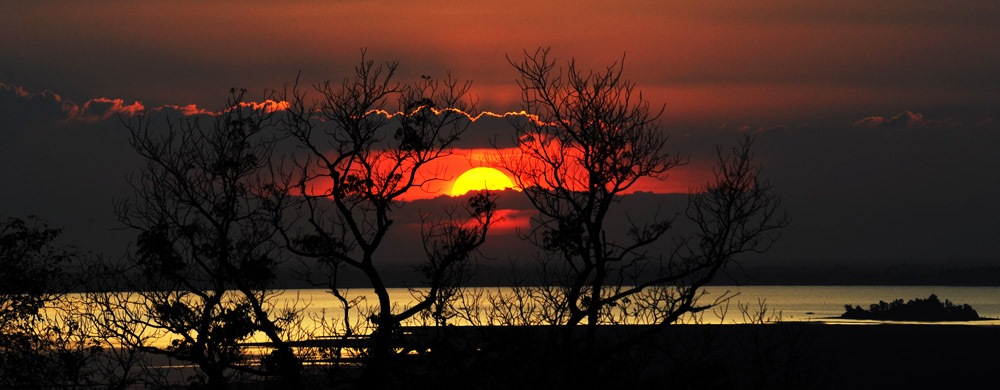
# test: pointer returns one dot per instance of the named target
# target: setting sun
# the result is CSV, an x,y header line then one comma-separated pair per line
x,y
482,178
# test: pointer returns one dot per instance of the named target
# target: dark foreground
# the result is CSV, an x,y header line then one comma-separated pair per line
x,y
772,356
818,356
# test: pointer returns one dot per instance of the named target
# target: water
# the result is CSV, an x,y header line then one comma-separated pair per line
x,y
787,303
820,303
323,315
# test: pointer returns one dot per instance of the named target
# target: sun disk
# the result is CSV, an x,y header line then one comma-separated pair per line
x,y
482,178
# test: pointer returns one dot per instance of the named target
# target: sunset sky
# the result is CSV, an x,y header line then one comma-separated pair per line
x,y
876,120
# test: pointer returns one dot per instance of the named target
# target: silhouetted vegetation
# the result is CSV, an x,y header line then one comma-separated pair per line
x,y
355,165
36,350
205,257
595,138
216,210
930,309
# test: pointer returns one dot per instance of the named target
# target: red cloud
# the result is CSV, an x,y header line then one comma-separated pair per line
x,y
99,109
267,105
186,110
904,119
102,108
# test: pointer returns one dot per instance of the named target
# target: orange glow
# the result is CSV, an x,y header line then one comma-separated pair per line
x,y
473,118
268,105
187,110
103,108
271,106
438,177
482,178
795,59
507,221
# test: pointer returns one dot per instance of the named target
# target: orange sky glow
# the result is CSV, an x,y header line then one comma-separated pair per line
x,y
724,59
874,119
438,176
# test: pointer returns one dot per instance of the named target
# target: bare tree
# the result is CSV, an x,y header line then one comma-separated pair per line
x,y
447,245
204,258
358,163
737,212
595,136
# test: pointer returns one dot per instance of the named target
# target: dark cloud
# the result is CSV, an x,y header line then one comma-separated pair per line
x,y
984,123
20,108
488,131
103,108
857,191
905,119
852,12
762,129
505,250
67,162
69,173
884,195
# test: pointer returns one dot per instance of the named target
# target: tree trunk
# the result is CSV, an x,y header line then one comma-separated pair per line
x,y
216,379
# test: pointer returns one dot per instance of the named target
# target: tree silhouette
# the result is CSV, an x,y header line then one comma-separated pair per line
x,y
31,271
737,212
356,166
32,276
594,138
204,258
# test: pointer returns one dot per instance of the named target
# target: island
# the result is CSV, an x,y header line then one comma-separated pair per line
x,y
930,309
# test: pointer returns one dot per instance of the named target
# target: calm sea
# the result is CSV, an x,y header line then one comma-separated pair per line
x,y
787,303
819,303
323,313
